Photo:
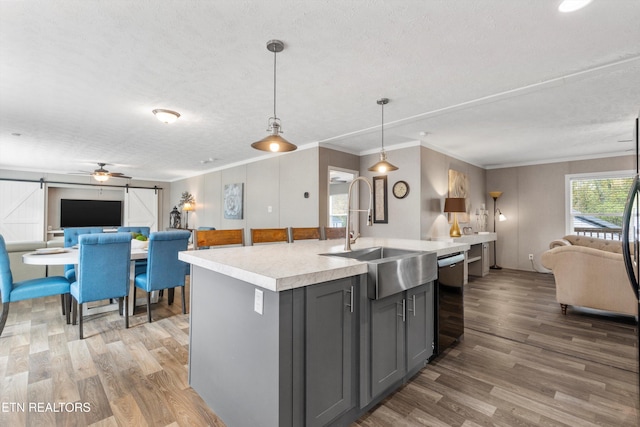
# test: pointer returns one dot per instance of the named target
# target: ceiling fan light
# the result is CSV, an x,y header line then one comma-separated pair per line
x,y
572,5
166,116
100,177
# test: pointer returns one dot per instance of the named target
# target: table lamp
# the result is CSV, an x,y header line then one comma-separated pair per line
x,y
454,205
187,207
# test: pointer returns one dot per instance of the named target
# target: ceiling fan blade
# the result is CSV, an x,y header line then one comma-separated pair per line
x,y
119,175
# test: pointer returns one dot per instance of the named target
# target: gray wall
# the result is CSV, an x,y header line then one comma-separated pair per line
x,y
403,214
281,181
331,158
273,193
434,179
533,201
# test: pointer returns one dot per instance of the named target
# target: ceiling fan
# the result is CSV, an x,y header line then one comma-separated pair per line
x,y
102,175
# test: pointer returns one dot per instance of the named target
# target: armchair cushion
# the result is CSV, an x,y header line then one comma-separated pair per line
x,y
590,272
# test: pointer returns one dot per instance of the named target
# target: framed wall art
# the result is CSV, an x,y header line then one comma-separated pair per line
x,y
233,200
380,209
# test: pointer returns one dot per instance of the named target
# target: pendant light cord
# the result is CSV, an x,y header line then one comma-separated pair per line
x,y
382,127
274,84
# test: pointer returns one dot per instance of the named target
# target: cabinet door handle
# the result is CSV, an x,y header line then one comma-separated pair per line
x,y
404,307
413,302
350,305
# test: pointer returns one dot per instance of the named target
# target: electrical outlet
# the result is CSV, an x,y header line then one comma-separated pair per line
x,y
530,257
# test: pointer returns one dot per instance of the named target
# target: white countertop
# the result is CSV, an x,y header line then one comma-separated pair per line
x,y
282,266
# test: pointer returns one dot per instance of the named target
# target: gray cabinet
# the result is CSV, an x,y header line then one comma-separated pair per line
x,y
330,351
387,342
420,326
401,338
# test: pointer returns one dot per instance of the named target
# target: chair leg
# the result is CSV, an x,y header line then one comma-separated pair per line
x,y
74,314
120,306
134,300
63,302
184,305
126,311
170,294
80,321
5,313
149,306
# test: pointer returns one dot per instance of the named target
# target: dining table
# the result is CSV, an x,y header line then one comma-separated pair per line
x,y
71,255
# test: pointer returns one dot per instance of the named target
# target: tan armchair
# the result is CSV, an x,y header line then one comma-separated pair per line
x,y
590,272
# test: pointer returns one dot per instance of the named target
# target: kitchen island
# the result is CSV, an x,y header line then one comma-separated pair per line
x,y
282,335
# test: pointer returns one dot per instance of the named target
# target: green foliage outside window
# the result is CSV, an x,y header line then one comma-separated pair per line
x,y
600,198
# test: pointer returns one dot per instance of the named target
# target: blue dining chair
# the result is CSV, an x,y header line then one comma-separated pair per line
x,y
71,235
103,271
140,266
26,289
164,269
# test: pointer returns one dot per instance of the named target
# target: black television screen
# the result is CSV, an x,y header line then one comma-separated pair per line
x,y
90,213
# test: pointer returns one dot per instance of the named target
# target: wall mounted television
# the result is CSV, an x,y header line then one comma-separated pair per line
x,y
90,213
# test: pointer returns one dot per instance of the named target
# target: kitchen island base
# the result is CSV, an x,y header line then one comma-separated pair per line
x,y
305,361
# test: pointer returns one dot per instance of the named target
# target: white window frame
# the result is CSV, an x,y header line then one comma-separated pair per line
x,y
568,223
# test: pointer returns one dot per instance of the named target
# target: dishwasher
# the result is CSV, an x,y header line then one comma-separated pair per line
x,y
450,310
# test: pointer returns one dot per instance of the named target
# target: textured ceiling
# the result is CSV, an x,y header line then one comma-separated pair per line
x,y
491,82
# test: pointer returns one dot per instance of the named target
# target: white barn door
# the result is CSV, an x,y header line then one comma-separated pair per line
x,y
22,211
141,208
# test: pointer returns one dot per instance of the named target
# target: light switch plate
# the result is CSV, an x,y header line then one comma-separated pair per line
x,y
258,301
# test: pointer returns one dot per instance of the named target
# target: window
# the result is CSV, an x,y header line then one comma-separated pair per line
x,y
596,203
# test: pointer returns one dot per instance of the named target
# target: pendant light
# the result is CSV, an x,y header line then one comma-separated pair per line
x,y
383,165
274,142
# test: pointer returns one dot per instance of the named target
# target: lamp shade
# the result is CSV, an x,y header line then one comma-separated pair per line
x,y
188,207
274,143
454,204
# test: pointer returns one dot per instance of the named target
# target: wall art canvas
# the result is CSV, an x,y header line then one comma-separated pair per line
x,y
233,198
459,187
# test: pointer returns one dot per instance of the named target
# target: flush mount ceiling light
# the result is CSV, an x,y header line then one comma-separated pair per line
x,y
166,116
383,165
274,142
572,5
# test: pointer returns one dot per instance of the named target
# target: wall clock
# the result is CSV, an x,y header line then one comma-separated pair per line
x,y
400,189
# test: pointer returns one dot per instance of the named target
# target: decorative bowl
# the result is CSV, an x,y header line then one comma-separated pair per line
x,y
139,244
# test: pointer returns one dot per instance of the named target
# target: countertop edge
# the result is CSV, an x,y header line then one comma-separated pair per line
x,y
281,277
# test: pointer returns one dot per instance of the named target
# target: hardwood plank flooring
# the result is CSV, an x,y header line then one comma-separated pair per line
x,y
520,363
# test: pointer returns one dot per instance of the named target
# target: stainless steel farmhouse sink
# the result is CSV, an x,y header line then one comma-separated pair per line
x,y
392,270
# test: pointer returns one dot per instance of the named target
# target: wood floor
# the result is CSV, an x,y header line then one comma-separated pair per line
x,y
521,363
